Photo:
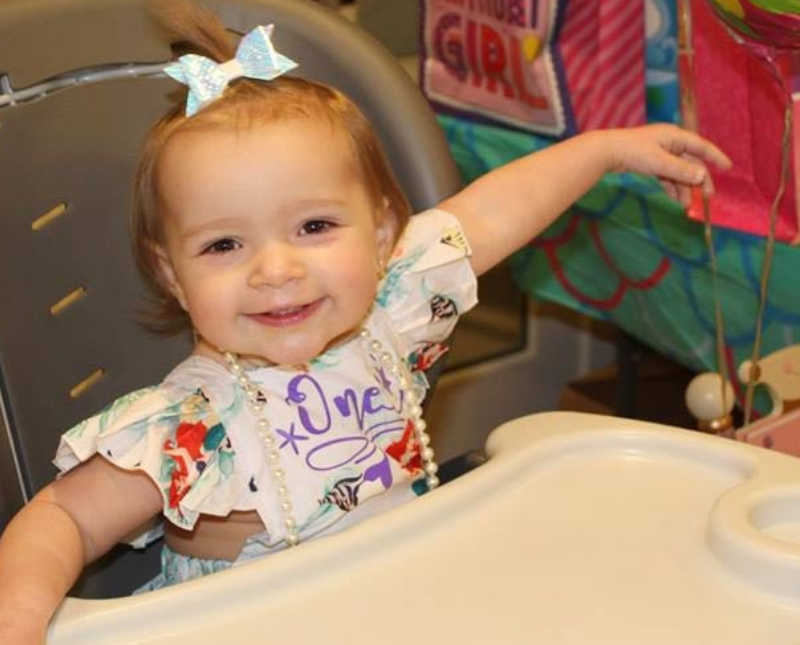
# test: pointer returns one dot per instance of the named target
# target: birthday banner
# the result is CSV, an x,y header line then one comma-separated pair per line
x,y
554,67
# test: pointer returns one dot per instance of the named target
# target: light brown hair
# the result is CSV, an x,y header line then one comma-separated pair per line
x,y
245,103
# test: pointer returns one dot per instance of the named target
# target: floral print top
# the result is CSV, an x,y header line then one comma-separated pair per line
x,y
337,424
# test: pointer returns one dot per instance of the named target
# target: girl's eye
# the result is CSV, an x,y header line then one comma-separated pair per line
x,y
316,226
224,245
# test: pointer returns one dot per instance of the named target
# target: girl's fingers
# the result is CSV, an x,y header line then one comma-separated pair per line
x,y
678,157
669,188
684,195
679,192
681,169
707,184
683,141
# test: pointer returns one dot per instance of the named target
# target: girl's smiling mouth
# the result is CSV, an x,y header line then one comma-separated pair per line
x,y
286,316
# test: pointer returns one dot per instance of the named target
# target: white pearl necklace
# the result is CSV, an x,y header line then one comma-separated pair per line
x,y
407,400
273,456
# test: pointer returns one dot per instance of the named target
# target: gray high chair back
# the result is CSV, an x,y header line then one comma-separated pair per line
x,y
79,85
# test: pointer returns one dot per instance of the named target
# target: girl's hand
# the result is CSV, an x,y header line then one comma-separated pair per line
x,y
675,156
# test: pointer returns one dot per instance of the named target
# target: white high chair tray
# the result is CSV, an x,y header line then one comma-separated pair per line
x,y
579,529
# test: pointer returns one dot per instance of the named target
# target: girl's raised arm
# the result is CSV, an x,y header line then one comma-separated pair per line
x,y
67,525
509,206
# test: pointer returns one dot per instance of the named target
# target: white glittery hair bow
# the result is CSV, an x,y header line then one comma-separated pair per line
x,y
207,80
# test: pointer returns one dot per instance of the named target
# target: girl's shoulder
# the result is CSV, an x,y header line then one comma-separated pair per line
x,y
431,238
193,383
171,431
429,283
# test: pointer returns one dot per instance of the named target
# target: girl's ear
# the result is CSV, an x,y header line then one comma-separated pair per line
x,y
385,232
167,277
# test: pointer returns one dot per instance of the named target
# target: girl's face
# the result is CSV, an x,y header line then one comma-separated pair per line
x,y
271,241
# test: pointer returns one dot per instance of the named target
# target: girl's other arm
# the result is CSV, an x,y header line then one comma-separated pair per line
x,y
68,524
509,206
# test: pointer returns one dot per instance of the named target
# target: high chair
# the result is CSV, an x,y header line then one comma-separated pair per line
x,y
579,529
79,85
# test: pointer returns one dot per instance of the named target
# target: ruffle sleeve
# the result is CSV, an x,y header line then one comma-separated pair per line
x,y
172,434
429,283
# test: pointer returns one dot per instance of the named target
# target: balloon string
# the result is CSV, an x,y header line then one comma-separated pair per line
x,y
722,366
686,52
769,247
689,112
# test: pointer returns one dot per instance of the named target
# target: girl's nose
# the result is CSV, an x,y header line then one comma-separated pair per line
x,y
275,265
